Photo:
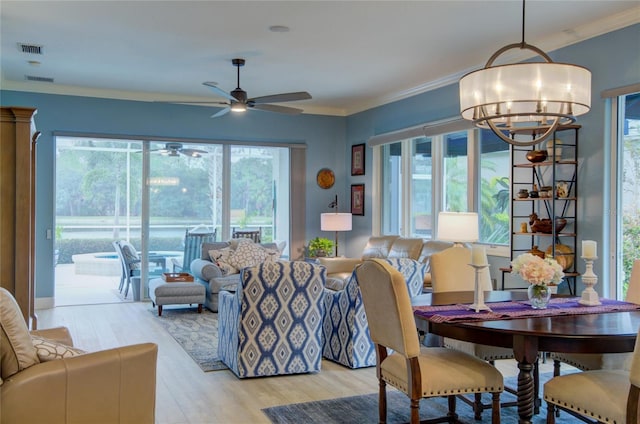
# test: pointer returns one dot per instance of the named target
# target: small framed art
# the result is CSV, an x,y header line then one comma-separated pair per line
x,y
357,159
357,199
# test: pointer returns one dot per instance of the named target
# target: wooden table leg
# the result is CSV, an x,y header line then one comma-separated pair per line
x,y
525,350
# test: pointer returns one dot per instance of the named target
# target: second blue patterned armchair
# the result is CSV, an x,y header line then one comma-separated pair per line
x,y
346,338
272,324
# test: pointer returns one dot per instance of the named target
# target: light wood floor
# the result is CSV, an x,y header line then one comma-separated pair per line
x,y
185,394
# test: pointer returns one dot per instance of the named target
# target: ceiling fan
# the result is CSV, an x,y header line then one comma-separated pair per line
x,y
176,149
240,102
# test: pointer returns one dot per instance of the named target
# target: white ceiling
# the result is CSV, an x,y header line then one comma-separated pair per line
x,y
350,55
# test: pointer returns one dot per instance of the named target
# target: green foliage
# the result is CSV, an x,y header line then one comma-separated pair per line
x,y
320,245
494,214
630,246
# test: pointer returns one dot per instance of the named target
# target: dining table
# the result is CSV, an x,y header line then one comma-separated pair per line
x,y
565,326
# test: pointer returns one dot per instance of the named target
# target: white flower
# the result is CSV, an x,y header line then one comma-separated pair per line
x,y
536,270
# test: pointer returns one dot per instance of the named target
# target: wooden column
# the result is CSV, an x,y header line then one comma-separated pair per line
x,y
17,211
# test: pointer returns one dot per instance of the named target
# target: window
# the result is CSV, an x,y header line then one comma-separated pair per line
x,y
494,191
442,178
627,193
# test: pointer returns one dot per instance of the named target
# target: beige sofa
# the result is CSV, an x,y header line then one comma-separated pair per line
x,y
339,269
44,379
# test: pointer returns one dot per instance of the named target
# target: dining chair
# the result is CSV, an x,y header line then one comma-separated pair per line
x,y
608,396
450,271
603,361
417,371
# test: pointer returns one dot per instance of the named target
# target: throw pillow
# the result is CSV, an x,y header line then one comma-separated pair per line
x,y
250,254
221,259
49,350
16,350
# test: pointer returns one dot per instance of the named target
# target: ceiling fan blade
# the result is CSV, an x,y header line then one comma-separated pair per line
x,y
278,109
193,153
284,97
191,102
221,112
219,91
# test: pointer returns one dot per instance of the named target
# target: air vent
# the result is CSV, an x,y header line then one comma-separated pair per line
x,y
30,48
39,79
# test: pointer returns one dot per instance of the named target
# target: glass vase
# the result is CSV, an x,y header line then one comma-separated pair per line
x,y
539,295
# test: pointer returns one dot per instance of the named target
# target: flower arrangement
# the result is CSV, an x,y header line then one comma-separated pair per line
x,y
537,271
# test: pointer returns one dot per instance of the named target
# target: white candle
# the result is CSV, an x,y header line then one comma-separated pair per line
x,y
478,255
589,249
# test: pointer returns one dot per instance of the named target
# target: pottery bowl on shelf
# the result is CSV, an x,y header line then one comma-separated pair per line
x,y
544,225
535,156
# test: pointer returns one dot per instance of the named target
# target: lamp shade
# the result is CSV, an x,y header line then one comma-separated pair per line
x,y
335,222
458,227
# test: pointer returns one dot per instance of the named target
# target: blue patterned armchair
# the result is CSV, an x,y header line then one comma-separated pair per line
x,y
272,324
345,330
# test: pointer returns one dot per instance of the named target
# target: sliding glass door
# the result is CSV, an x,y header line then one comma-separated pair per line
x,y
151,193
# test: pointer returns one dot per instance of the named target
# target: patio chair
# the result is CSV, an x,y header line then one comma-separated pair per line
x,y
193,240
123,270
255,235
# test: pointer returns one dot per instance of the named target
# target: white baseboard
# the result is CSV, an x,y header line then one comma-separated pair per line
x,y
44,303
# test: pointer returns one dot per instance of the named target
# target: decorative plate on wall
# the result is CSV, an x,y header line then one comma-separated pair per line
x,y
325,178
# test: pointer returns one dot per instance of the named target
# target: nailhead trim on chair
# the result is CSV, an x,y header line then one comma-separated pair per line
x,y
580,411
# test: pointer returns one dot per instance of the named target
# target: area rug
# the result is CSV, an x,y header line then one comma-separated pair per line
x,y
196,333
364,409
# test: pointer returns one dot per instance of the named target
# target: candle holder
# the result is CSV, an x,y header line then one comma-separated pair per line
x,y
589,279
478,294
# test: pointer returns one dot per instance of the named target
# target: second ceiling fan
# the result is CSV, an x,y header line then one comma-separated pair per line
x,y
240,102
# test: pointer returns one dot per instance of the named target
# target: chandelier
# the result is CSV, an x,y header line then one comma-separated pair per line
x,y
531,98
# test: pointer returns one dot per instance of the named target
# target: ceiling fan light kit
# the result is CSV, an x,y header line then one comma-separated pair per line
x,y
239,101
532,98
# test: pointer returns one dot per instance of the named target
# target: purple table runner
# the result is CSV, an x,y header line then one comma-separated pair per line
x,y
511,310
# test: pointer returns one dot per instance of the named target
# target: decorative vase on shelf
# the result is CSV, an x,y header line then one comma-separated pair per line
x,y
539,295
535,156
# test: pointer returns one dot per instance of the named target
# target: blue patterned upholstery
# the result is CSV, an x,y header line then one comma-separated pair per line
x,y
345,330
272,325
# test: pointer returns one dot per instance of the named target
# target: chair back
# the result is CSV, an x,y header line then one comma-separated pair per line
x,y
118,249
450,271
633,290
388,307
280,318
130,256
255,235
192,245
634,373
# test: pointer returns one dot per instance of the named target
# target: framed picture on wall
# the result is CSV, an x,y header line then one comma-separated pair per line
x,y
357,199
357,159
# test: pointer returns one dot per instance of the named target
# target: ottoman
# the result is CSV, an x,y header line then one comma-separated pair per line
x,y
163,293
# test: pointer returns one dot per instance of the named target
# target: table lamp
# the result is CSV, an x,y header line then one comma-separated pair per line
x,y
335,221
462,227
458,227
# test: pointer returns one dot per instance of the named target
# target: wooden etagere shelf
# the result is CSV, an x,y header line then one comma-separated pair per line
x,y
560,168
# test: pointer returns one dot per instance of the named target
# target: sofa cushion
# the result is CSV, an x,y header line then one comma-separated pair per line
x,y
16,349
206,247
406,248
339,265
49,350
378,247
